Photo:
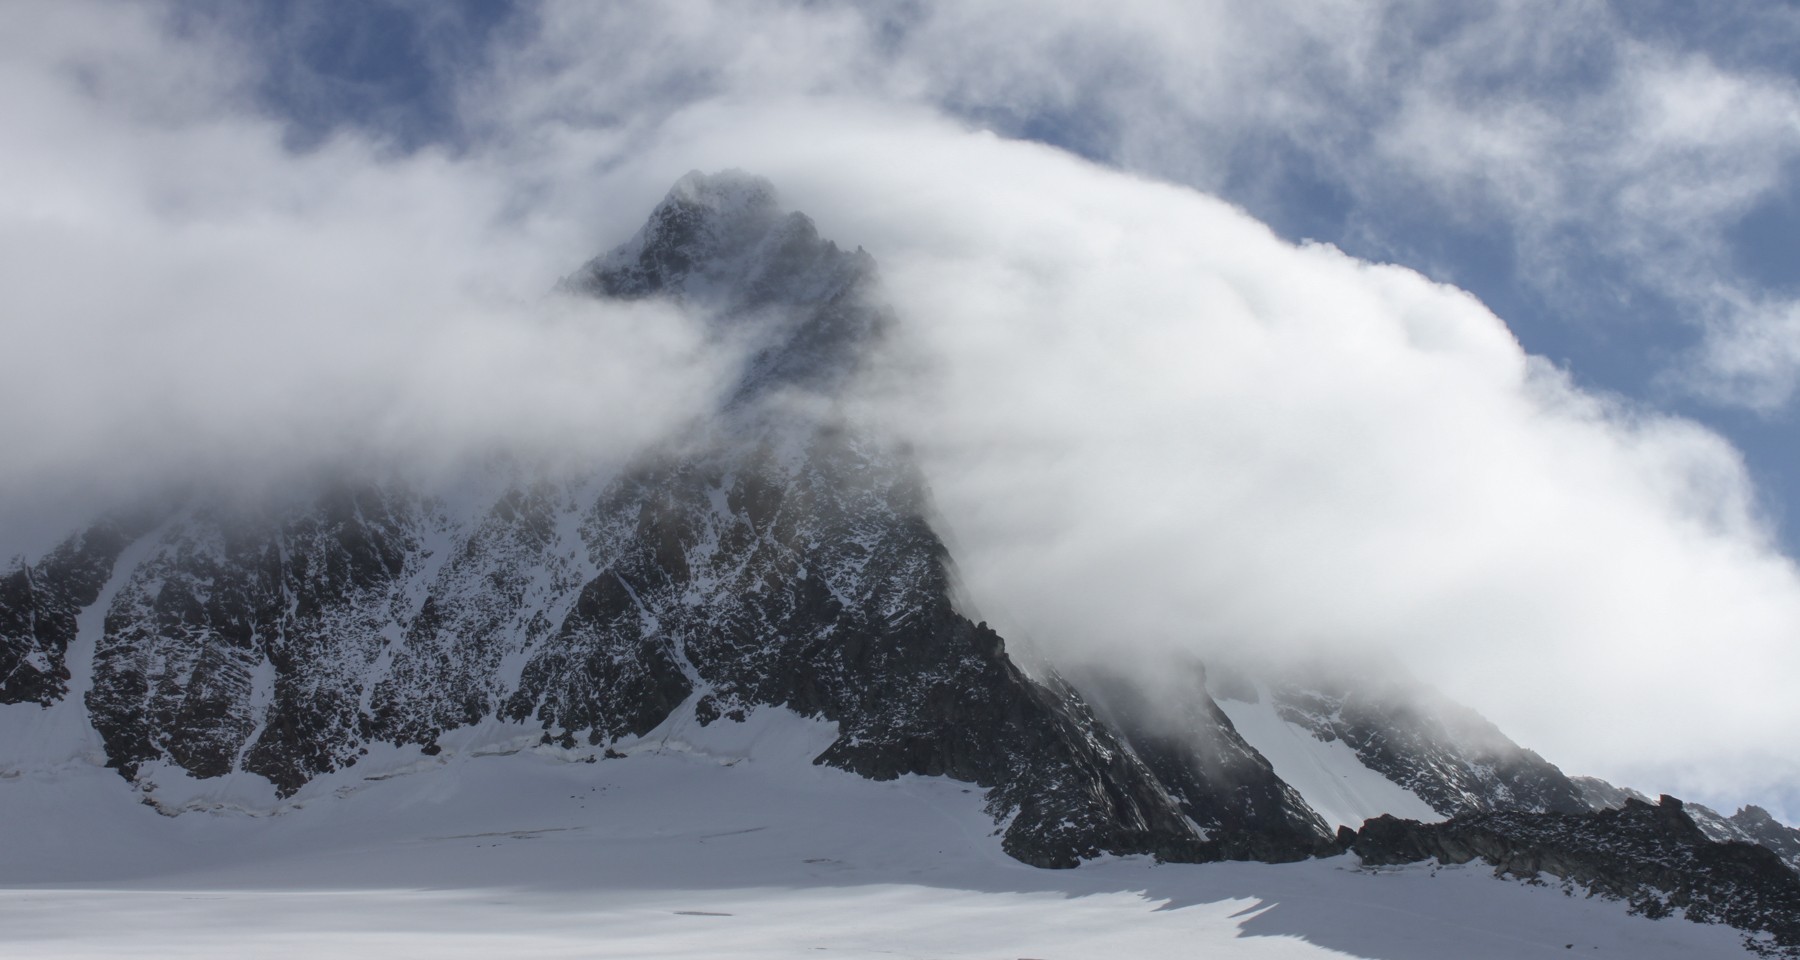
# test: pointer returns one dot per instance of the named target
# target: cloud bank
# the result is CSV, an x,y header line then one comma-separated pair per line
x,y
1609,161
1152,426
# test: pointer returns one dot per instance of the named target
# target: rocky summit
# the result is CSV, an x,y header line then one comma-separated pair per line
x,y
774,554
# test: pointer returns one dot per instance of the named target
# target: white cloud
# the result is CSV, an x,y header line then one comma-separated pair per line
x,y
1151,425
1158,427
1549,123
179,294
1649,169
1754,357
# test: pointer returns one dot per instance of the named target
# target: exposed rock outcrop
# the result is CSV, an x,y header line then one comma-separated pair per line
x,y
1655,858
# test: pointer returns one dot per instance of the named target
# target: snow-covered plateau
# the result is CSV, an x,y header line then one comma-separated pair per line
x,y
717,841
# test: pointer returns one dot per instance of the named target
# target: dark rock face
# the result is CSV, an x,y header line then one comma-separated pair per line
x,y
1655,858
494,580
1220,782
242,642
703,230
172,672
1753,824
721,244
39,604
816,584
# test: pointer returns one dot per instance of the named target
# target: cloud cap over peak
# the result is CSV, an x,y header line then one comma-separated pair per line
x,y
1154,426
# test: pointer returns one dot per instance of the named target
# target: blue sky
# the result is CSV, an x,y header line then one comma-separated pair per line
x,y
326,229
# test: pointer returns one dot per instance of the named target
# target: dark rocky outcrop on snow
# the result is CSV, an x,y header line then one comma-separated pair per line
x,y
1653,857
1751,824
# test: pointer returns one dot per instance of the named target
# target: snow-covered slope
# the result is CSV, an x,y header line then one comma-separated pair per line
x,y
1327,773
1434,749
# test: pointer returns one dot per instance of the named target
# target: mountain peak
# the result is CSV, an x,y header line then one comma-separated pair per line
x,y
728,193
722,244
708,230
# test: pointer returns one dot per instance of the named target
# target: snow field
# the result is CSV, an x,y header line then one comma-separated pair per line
x,y
717,842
